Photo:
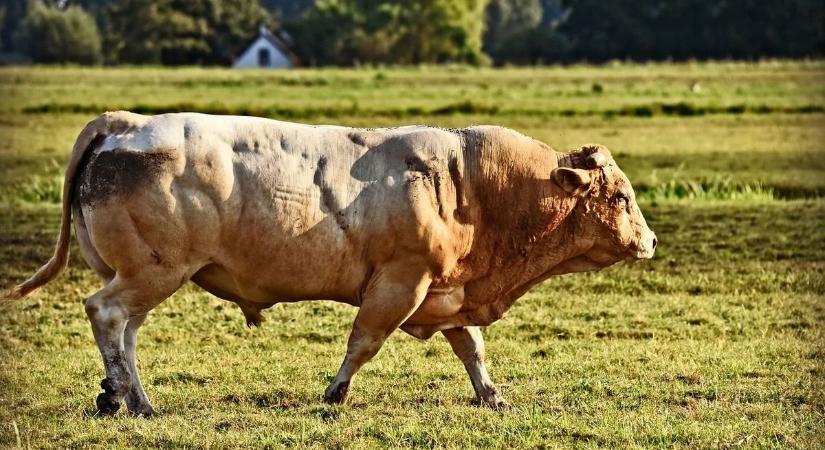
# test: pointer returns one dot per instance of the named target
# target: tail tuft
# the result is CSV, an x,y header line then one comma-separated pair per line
x,y
11,295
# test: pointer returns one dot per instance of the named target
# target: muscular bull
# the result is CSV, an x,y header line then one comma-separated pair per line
x,y
425,229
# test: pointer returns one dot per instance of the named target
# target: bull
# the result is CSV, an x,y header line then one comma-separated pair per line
x,y
424,229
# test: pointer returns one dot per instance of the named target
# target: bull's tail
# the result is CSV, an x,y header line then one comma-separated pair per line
x,y
86,141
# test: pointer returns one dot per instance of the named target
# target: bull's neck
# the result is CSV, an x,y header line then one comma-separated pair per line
x,y
508,172
523,228
516,264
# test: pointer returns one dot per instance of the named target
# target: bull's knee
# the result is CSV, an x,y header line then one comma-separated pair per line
x,y
100,309
92,305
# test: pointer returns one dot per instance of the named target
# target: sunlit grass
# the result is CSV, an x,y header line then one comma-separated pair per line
x,y
715,342
713,189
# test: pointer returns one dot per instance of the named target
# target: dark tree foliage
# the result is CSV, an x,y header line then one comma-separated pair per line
x,y
97,8
50,35
510,24
2,16
347,32
679,29
525,31
287,9
14,12
176,32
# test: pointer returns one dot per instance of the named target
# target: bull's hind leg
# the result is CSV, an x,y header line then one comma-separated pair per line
x,y
393,293
116,311
468,345
136,399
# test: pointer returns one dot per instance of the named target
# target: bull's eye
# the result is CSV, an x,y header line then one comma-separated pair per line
x,y
621,201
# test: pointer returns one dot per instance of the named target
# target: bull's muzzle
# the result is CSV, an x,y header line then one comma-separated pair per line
x,y
647,246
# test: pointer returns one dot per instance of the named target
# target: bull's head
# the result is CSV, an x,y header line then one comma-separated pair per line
x,y
609,224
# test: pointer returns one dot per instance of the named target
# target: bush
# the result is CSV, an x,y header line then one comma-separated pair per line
x,y
50,35
179,32
352,32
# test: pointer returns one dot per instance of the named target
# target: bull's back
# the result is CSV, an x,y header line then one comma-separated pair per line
x,y
296,221
325,205
270,209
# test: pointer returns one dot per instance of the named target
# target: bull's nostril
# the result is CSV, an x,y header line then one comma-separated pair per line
x,y
655,242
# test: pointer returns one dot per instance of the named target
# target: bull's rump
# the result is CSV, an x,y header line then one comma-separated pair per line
x,y
267,210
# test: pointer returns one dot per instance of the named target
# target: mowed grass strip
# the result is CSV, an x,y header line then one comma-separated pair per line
x,y
465,107
582,88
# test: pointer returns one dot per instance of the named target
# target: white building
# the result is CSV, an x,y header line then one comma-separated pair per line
x,y
266,51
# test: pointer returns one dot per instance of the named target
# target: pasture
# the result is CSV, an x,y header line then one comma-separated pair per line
x,y
719,341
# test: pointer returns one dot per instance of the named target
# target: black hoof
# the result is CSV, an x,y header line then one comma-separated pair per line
x,y
137,408
337,394
146,411
106,405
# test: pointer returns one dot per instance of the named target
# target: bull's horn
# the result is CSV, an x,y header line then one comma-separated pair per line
x,y
596,160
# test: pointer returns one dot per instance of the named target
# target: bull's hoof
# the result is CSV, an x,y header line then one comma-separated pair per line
x,y
492,399
138,405
106,404
142,411
496,403
336,393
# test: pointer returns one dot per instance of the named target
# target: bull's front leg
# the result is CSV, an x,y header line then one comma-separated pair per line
x,y
468,345
393,293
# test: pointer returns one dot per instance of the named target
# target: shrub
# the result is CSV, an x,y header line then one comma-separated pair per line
x,y
41,189
50,35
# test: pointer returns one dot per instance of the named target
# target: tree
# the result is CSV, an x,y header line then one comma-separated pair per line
x,y
2,16
509,26
440,31
324,34
679,29
182,31
14,12
49,35
390,31
597,30
287,9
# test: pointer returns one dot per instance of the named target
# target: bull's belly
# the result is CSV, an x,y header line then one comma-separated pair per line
x,y
263,292
269,265
440,307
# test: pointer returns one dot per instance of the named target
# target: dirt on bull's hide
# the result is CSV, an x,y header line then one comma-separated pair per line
x,y
118,173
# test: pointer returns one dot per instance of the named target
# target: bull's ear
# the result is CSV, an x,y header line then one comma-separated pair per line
x,y
571,180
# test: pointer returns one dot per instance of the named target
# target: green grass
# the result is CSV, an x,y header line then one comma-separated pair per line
x,y
707,189
719,341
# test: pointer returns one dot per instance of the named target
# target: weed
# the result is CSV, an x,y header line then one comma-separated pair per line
x,y
39,189
717,188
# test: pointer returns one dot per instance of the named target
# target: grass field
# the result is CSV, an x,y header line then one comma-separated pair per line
x,y
717,342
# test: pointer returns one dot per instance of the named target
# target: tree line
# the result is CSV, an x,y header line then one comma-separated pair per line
x,y
352,32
